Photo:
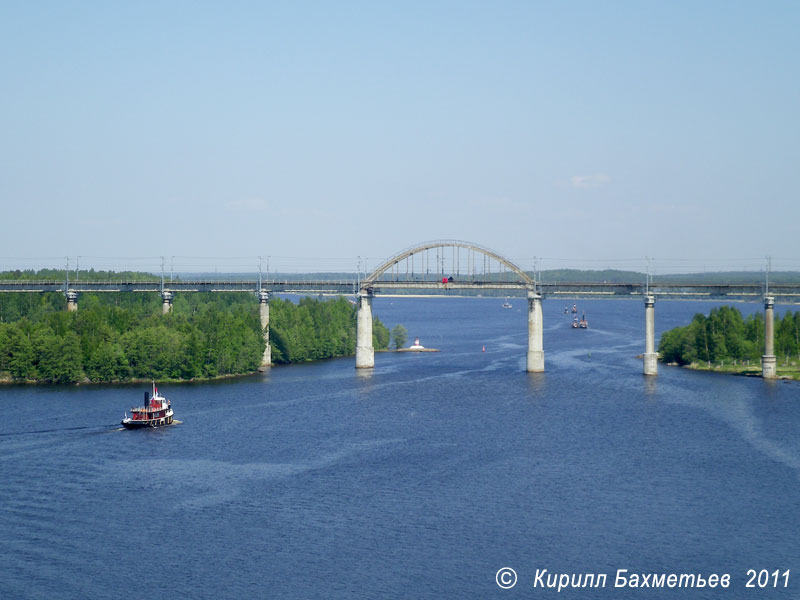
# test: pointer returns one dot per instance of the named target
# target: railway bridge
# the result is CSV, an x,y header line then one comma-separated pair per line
x,y
437,267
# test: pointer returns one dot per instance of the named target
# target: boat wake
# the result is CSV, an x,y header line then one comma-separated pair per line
x,y
54,430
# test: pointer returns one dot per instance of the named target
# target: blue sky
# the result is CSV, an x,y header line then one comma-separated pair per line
x,y
574,131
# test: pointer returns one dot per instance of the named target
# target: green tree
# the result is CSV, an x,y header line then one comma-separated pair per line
x,y
16,352
724,335
108,363
57,359
380,335
118,336
399,336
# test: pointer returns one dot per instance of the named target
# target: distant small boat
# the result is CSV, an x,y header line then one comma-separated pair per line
x,y
507,304
575,308
575,323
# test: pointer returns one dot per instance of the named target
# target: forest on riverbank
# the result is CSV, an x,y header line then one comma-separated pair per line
x,y
116,337
726,340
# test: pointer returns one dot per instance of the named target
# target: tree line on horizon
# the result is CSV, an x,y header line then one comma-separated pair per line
x,y
547,275
121,337
79,275
724,336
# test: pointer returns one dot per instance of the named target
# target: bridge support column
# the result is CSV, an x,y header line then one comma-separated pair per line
x,y
769,363
263,311
365,353
166,302
72,301
535,358
650,354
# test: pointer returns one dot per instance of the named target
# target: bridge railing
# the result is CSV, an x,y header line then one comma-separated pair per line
x,y
742,291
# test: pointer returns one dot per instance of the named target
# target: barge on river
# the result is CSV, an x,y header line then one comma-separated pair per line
x,y
156,412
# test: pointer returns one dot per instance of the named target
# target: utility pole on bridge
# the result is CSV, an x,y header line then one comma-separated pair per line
x,y
71,295
769,362
263,312
650,358
166,296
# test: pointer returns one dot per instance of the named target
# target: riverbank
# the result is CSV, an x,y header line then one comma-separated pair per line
x,y
417,350
790,372
5,380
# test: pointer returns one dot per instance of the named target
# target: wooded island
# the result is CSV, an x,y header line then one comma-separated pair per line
x,y
119,337
725,341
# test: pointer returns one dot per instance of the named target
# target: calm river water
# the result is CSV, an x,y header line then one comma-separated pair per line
x,y
418,480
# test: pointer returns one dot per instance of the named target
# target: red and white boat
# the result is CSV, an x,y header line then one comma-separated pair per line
x,y
156,412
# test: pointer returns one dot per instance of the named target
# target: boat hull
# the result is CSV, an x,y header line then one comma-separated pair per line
x,y
147,423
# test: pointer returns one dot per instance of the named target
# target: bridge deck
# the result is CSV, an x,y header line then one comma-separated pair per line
x,y
344,287
745,291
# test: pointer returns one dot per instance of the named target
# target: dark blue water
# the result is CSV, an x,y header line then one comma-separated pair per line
x,y
418,480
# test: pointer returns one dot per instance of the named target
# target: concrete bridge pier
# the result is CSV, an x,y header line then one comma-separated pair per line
x,y
650,354
365,353
166,302
769,363
263,311
535,356
72,301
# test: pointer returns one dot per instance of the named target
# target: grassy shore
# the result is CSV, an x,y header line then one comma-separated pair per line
x,y
786,370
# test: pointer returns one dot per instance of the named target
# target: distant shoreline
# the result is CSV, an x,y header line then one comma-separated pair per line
x,y
10,381
417,350
140,381
784,372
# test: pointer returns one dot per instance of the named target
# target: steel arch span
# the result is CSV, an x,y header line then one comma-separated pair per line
x,y
419,248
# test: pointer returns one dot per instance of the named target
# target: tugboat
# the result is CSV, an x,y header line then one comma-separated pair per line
x,y
156,412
